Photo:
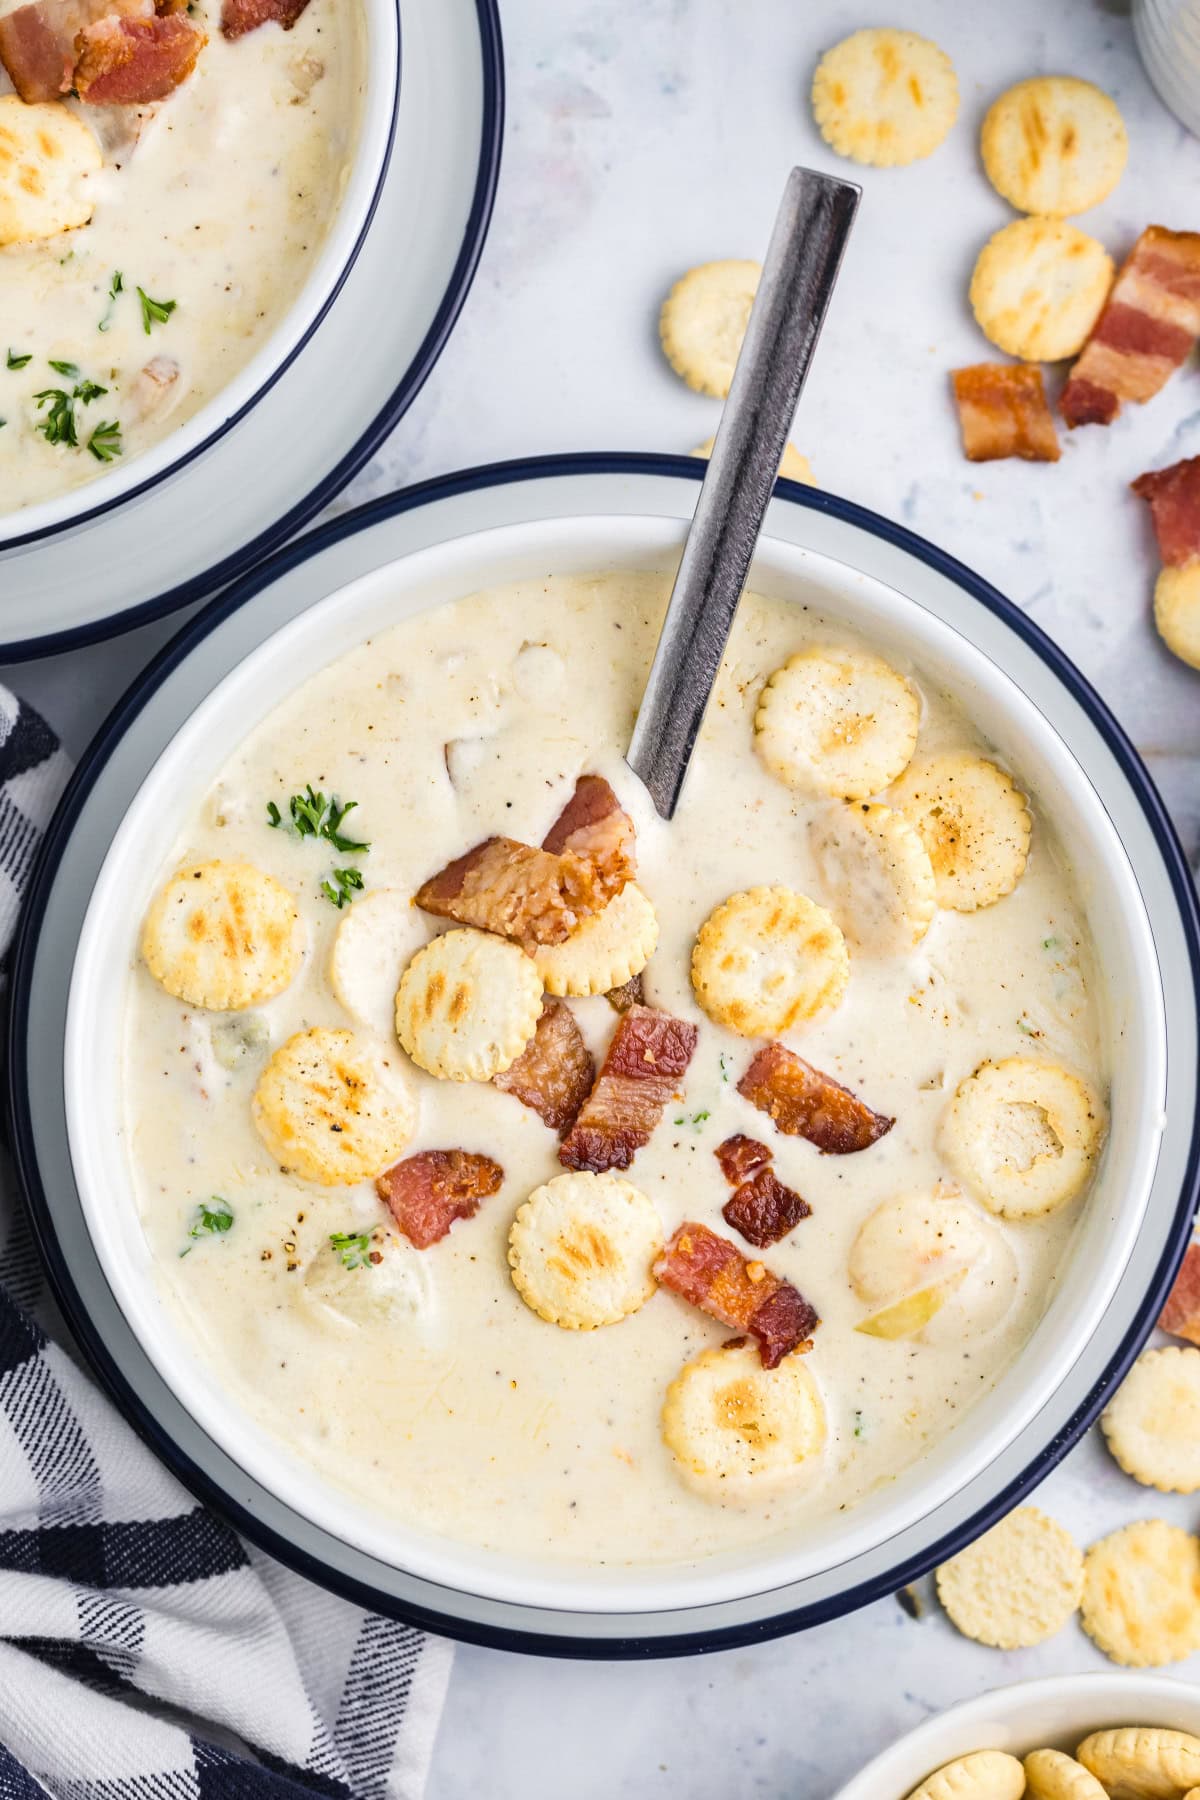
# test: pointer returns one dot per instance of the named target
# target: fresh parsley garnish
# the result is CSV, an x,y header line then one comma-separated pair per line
x,y
116,286
342,889
724,1066
69,369
154,312
17,360
105,441
208,1221
354,1248
696,1119
59,426
312,815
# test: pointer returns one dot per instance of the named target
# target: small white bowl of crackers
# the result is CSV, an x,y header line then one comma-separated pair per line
x,y
1074,1737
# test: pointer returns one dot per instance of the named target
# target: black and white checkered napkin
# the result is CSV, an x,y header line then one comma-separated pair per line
x,y
145,1652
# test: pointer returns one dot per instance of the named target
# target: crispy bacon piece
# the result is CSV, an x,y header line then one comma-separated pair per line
x,y
764,1210
648,1054
593,824
741,1157
1174,496
129,62
37,41
511,888
1002,411
1147,328
1181,1314
630,993
429,1191
713,1274
240,16
805,1103
554,1073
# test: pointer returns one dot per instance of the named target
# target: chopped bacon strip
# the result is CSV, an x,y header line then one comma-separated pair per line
x,y
1181,1314
129,62
37,41
805,1103
1174,496
1145,332
1002,411
593,824
630,993
428,1192
511,888
240,16
713,1274
764,1210
648,1054
554,1073
741,1157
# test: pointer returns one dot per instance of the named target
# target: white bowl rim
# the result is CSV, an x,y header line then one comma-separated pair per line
x,y
382,51
506,474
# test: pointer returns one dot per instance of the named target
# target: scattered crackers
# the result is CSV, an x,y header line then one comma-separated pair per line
x,y
837,722
703,322
1141,1598
581,1250
46,157
334,1107
792,466
375,939
605,950
467,1005
1142,1762
768,959
1015,1586
884,97
1054,145
877,872
1152,1424
1023,1135
223,935
1038,288
973,821
1177,611
738,1430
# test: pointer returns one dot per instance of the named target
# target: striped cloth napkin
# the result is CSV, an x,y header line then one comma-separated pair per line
x,y
146,1653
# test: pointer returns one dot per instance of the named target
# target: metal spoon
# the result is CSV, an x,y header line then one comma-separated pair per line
x,y
797,281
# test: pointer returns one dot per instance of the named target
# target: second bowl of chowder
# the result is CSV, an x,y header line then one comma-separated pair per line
x,y
938,1106
177,211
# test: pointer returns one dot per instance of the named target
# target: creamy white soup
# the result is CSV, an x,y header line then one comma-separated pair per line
x,y
162,243
933,1149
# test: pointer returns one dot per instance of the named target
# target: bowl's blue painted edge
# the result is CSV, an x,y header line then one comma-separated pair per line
x,y
397,404
59,832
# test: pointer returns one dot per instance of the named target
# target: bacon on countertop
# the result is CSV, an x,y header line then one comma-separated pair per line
x,y
1146,331
532,896
240,16
630,993
429,1191
1181,1315
554,1073
649,1053
805,1103
1174,496
713,1274
130,62
1003,411
764,1210
593,824
741,1157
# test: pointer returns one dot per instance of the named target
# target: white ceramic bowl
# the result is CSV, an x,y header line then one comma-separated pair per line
x,y
1056,1714
379,58
232,666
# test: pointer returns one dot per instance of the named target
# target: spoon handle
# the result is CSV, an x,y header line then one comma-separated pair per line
x,y
797,281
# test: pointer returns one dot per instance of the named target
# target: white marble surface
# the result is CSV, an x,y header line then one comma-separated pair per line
x,y
643,139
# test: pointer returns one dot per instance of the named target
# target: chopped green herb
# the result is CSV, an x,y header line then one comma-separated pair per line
x,y
724,1066
69,369
354,1248
207,1221
312,815
3,423
696,1119
1050,943
18,360
342,889
1026,1027
154,312
117,286
859,1428
105,441
58,427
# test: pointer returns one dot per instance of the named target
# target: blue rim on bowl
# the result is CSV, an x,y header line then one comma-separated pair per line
x,y
513,1626
366,440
